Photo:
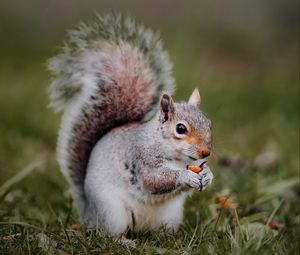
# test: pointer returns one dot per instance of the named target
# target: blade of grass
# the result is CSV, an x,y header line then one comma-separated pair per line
x,y
274,211
6,186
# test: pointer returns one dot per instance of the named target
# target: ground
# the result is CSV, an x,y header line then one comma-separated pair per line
x,y
249,88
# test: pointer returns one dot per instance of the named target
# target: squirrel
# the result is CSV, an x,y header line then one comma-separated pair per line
x,y
124,143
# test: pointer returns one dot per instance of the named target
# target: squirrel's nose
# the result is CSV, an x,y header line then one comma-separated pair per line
x,y
203,151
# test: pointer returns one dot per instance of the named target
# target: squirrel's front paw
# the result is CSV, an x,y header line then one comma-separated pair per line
x,y
197,181
205,178
188,179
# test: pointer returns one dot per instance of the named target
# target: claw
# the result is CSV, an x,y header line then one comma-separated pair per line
x,y
200,187
202,164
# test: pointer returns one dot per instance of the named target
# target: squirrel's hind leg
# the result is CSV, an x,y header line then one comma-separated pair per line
x,y
170,214
106,211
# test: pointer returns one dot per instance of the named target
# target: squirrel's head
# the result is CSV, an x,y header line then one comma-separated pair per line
x,y
185,127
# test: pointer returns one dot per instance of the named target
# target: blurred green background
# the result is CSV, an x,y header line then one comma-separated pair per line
x,y
242,55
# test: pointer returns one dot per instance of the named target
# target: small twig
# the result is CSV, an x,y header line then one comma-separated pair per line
x,y
27,225
9,237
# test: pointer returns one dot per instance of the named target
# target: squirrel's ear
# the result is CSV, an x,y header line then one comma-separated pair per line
x,y
166,107
195,98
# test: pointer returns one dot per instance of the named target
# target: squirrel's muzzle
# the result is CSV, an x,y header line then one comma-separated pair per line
x,y
204,151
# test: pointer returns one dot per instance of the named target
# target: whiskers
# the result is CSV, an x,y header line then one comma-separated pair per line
x,y
190,152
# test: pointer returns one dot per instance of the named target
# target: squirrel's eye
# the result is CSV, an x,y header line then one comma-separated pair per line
x,y
181,129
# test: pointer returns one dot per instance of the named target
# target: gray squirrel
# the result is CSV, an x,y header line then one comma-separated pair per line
x,y
124,144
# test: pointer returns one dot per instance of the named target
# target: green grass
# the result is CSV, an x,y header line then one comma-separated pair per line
x,y
250,91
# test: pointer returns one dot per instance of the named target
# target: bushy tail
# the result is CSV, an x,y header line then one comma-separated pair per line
x,y
109,72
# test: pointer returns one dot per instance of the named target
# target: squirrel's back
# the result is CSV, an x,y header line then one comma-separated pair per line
x,y
109,72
